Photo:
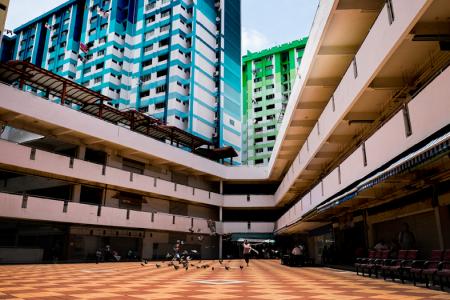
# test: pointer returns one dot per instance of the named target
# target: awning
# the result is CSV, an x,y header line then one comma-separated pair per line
x,y
436,147
253,237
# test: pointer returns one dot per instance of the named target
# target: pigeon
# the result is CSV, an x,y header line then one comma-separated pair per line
x,y
220,261
176,267
198,267
241,266
212,268
158,266
142,264
227,268
145,261
198,230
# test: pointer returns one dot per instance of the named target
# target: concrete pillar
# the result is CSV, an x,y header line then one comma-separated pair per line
x,y
147,246
438,227
220,236
81,151
442,216
76,192
221,188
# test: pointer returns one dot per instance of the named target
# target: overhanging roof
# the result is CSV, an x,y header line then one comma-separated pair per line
x,y
23,73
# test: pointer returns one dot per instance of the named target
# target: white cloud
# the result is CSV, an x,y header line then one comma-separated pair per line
x,y
253,40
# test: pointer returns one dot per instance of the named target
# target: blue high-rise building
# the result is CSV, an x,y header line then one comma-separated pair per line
x,y
177,60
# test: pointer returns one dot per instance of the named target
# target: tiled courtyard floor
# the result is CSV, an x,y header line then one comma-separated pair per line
x,y
264,279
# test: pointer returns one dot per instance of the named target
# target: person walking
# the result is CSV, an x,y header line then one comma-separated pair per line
x,y
247,251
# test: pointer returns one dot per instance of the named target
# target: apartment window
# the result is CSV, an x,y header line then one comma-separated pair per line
x,y
270,86
259,150
257,80
148,48
98,79
61,57
164,42
165,13
258,109
150,20
271,96
268,68
50,61
257,90
161,73
160,105
231,122
271,106
99,66
258,140
102,40
144,94
258,119
160,89
259,161
269,77
147,63
146,78
270,117
92,31
149,34
164,28
89,57
87,70
258,129
271,138
269,149
143,109
104,27
101,53
269,58
59,69
62,45
163,57
271,127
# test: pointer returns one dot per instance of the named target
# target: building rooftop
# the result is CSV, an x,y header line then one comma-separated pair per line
x,y
45,15
283,47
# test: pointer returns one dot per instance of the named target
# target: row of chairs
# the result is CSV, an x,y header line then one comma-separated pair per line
x,y
437,268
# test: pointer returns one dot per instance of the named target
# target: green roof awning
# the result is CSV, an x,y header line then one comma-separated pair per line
x,y
253,237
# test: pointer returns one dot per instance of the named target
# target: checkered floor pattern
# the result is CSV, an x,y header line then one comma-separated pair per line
x,y
264,279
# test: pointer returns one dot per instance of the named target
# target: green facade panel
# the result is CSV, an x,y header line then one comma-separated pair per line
x,y
267,79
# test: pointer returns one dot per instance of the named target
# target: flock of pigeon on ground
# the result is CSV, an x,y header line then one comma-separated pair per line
x,y
186,262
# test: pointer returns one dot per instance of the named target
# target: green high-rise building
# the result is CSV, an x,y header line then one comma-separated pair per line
x,y
267,78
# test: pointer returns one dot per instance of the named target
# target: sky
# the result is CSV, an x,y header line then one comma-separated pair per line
x,y
265,23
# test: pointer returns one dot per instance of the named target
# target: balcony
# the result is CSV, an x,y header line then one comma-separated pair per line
x,y
42,209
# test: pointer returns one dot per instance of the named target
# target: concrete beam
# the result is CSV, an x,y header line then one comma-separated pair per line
x,y
361,116
339,139
9,116
311,105
338,50
61,131
387,83
323,82
363,5
431,28
303,123
296,137
323,154
92,141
